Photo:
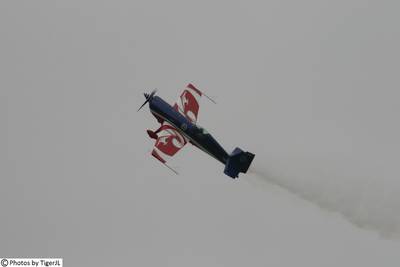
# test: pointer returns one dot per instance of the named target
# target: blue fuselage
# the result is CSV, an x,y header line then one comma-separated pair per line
x,y
196,135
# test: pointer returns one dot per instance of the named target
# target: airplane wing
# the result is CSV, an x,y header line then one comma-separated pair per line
x,y
168,143
188,102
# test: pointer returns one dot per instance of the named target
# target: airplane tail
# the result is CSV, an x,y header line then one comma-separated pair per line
x,y
238,161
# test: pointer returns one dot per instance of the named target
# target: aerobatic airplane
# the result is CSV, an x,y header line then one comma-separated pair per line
x,y
179,126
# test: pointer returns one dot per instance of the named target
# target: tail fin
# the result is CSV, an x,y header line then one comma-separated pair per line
x,y
238,161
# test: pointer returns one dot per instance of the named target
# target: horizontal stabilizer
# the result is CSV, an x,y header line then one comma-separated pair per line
x,y
238,161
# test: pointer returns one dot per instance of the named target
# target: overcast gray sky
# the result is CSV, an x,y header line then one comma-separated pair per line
x,y
310,87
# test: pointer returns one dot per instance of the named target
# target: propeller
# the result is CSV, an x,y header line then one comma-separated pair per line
x,y
148,98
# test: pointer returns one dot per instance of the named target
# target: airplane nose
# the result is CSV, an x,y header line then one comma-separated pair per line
x,y
148,97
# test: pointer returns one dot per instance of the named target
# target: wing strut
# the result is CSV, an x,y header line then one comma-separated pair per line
x,y
166,165
209,98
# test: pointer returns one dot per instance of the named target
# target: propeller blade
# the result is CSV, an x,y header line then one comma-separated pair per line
x,y
153,93
145,102
148,98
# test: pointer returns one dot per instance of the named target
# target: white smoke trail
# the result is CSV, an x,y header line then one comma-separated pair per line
x,y
364,215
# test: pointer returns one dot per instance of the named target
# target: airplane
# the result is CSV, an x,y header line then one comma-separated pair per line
x,y
179,127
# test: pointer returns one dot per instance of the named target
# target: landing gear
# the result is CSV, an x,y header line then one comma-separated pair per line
x,y
153,135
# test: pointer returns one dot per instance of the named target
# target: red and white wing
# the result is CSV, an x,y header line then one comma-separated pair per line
x,y
188,102
169,142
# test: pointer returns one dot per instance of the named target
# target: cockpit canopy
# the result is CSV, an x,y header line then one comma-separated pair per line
x,y
201,131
